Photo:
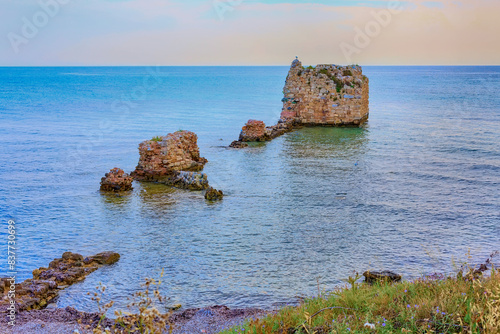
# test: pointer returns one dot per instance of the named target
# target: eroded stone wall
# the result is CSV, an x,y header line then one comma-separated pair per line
x,y
325,95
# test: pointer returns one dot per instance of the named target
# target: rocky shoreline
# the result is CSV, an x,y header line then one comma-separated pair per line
x,y
209,320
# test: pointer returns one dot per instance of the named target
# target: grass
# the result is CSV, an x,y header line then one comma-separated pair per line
x,y
433,304
338,83
157,139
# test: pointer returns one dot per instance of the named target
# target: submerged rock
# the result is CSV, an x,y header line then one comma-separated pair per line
x,y
213,194
187,180
46,283
373,276
238,144
116,180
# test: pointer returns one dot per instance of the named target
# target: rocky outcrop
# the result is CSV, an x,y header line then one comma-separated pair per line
x,y
44,287
173,160
238,144
116,181
253,131
162,156
325,95
381,276
213,194
187,180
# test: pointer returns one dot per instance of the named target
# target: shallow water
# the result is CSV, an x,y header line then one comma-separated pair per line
x,y
412,191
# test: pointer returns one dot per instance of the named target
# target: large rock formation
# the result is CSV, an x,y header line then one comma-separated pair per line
x,y
167,159
116,181
325,95
46,283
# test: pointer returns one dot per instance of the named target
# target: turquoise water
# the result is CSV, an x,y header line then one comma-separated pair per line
x,y
412,191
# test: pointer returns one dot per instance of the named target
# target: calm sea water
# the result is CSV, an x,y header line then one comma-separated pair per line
x,y
412,191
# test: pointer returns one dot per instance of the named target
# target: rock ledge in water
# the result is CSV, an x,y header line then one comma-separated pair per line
x,y
36,293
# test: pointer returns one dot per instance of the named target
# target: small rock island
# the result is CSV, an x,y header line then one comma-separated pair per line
x,y
325,95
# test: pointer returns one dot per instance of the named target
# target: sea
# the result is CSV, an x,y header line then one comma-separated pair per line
x,y
416,190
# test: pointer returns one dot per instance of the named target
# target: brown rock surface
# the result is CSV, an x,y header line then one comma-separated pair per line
x,y
213,194
254,131
116,180
325,95
373,276
37,292
162,156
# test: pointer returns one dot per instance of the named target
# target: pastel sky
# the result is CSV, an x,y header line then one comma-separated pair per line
x,y
249,32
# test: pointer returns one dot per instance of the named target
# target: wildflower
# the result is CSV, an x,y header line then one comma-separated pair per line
x,y
406,291
383,325
408,306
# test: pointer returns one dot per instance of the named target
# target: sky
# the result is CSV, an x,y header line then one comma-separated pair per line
x,y
248,32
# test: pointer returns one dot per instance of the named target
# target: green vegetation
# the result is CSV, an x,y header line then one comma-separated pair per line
x,y
310,67
347,73
157,139
338,83
433,304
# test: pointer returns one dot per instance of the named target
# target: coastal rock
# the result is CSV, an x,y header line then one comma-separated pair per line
x,y
213,194
106,258
187,180
163,156
46,283
254,131
373,276
238,144
116,180
325,95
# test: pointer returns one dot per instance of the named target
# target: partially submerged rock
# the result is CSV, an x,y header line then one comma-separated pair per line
x,y
116,181
187,180
213,194
383,276
253,131
238,144
44,287
162,156
325,95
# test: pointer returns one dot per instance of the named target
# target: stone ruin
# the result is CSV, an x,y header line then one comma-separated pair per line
x,y
325,95
116,181
173,160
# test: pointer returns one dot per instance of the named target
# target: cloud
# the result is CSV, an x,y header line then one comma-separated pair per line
x,y
168,32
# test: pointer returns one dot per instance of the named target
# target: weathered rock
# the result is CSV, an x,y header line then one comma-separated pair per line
x,y
163,156
44,287
325,95
107,258
213,194
187,180
254,131
116,180
238,144
374,276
